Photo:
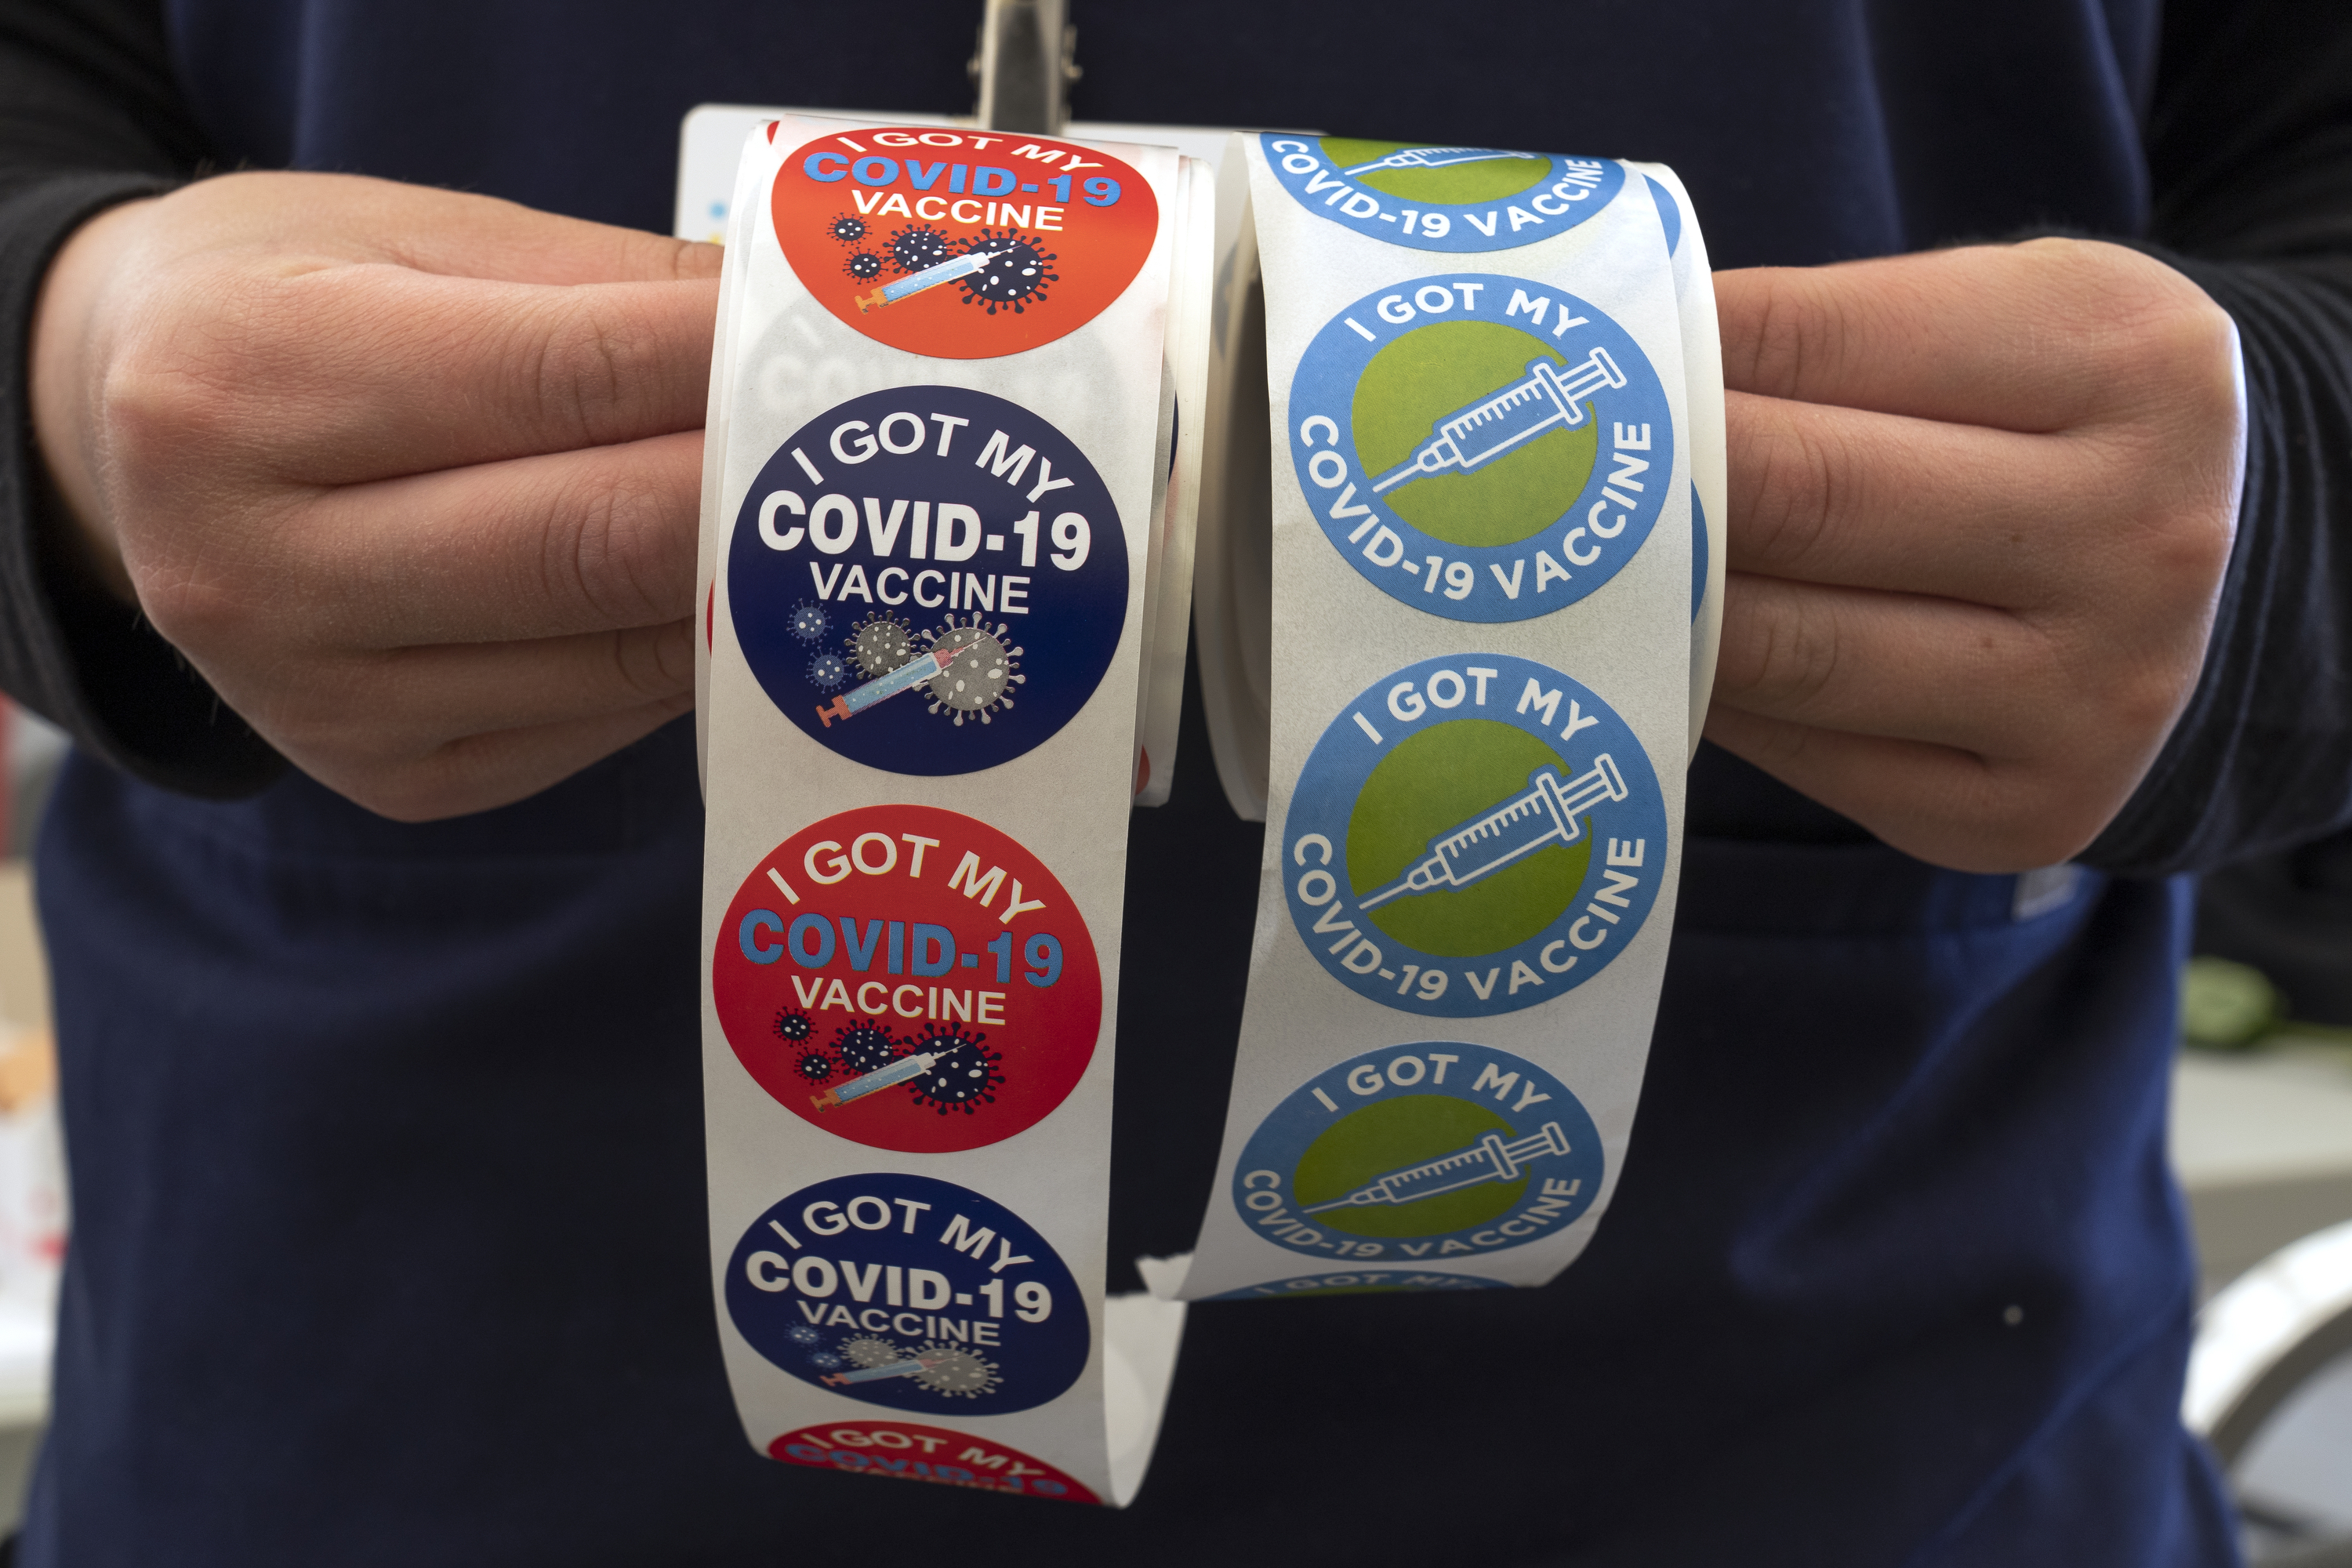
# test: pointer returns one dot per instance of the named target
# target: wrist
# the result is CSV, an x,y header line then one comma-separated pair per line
x,y
65,363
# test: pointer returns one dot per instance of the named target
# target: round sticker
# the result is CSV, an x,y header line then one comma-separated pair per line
x,y
1420,1153
1441,198
908,1452
961,244
928,580
1474,835
1484,448
1359,1282
908,978
911,1293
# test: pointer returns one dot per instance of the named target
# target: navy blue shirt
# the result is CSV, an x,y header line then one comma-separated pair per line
x,y
390,1239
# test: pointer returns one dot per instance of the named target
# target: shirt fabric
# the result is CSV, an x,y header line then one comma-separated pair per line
x,y
390,1237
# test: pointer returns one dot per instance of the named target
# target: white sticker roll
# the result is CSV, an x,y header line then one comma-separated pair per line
x,y
945,538
1487,598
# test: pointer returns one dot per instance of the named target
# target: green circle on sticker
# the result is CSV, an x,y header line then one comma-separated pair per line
x,y
1433,372
1431,783
1388,1135
1481,180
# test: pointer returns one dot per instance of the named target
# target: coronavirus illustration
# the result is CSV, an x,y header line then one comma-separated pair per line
x,y
848,228
1018,269
985,668
809,621
920,247
863,265
815,1067
802,1334
949,1369
828,671
793,1025
880,643
865,1350
865,1046
966,1075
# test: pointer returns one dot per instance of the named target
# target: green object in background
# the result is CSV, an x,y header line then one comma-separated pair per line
x,y
2224,1005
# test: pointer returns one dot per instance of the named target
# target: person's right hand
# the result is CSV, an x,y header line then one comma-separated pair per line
x,y
411,477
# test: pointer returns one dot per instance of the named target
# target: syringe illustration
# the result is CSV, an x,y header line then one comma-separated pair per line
x,y
857,698
1494,424
1547,814
1488,1160
864,1084
1434,158
948,272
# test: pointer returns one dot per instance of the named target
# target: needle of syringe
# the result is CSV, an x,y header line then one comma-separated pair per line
x,y
1504,833
928,666
1432,158
1488,1160
864,1084
948,272
1484,430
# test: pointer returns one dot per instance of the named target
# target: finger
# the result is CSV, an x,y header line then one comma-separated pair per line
x,y
483,688
347,374
1877,500
480,772
347,217
2030,337
1943,804
536,547
1890,665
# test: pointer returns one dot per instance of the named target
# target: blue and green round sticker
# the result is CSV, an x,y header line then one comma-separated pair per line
x,y
1472,835
1457,199
1416,1155
1485,448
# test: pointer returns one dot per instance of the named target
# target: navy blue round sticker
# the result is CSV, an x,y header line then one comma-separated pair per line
x,y
929,580
910,1293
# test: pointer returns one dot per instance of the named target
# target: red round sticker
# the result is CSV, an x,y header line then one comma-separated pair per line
x,y
933,1454
959,244
909,979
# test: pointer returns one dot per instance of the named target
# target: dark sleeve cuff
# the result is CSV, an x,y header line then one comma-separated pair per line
x,y
69,650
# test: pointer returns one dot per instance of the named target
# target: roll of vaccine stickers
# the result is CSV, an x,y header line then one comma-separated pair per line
x,y
944,484
1486,580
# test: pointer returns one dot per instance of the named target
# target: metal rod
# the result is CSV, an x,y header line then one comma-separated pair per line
x,y
1025,63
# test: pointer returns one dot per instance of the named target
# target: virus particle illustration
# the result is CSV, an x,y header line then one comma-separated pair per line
x,y
865,1350
863,265
952,1370
847,229
914,250
826,671
825,1361
980,683
880,643
793,1025
865,1046
815,1067
802,1334
809,621
1018,269
964,1078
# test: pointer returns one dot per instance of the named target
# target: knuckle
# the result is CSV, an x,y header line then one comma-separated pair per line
x,y
1782,649
613,550
585,365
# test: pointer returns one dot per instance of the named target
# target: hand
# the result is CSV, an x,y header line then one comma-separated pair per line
x,y
1980,505
411,477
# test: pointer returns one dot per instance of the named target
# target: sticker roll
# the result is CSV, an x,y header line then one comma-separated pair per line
x,y
1460,590
950,471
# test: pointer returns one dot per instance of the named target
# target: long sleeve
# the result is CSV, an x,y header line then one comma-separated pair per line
x,y
89,116
2250,144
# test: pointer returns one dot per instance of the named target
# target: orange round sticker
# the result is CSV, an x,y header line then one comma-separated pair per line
x,y
960,244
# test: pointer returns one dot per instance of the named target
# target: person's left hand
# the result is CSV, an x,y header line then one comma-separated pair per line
x,y
1981,502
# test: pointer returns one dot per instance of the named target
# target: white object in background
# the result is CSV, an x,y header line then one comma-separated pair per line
x,y
2260,1339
